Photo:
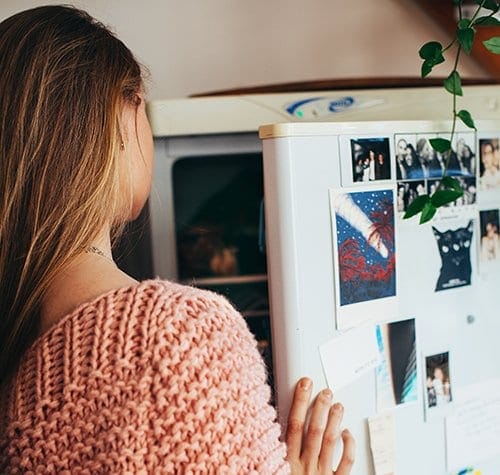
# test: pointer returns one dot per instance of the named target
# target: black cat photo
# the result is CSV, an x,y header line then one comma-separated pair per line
x,y
454,247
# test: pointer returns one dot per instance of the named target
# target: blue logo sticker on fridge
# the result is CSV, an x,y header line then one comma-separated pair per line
x,y
317,107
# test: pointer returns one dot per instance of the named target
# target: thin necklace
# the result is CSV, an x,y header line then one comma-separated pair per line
x,y
96,250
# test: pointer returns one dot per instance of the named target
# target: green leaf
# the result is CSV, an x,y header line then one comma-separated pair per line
x,y
443,197
416,206
493,44
488,4
453,84
466,38
431,51
440,145
426,68
451,183
432,54
466,118
487,21
428,212
457,2
463,23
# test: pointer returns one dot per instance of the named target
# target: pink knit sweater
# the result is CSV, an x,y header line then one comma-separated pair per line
x,y
154,378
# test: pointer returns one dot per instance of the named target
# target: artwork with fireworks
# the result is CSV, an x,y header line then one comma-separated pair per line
x,y
365,245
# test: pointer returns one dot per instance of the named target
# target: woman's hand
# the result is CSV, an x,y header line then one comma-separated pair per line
x,y
310,450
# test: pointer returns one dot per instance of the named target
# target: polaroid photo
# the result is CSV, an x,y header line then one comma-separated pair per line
x,y
432,185
419,169
404,157
417,160
364,253
438,388
489,247
426,162
396,374
469,187
407,192
454,246
463,161
461,167
369,160
489,164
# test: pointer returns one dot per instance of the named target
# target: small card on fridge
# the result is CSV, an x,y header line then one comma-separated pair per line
x,y
361,344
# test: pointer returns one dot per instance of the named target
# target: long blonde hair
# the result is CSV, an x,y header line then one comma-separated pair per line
x,y
64,78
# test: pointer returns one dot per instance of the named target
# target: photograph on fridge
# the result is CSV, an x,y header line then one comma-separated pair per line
x,y
415,158
490,241
407,164
463,160
419,169
469,188
454,246
370,159
396,373
438,387
422,161
407,192
426,157
489,163
364,249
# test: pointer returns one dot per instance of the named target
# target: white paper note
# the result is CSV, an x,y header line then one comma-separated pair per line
x,y
473,431
383,443
349,355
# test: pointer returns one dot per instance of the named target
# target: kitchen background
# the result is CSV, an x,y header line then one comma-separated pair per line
x,y
211,181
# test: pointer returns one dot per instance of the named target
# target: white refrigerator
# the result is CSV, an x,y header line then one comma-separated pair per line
x,y
400,319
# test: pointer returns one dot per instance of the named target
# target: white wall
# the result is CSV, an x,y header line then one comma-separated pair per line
x,y
193,46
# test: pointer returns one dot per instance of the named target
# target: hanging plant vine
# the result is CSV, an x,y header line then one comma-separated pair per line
x,y
432,54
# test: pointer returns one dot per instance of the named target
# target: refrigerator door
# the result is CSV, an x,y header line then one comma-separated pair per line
x,y
305,166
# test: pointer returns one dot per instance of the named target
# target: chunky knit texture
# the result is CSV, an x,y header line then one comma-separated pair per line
x,y
154,378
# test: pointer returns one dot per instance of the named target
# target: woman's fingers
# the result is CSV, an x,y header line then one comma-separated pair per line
x,y
316,428
331,436
297,418
347,459
311,448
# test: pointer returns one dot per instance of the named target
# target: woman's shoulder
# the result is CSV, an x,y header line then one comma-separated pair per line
x,y
153,312
165,299
127,334
187,316
146,300
130,326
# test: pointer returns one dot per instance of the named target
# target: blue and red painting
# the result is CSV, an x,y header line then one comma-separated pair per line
x,y
366,245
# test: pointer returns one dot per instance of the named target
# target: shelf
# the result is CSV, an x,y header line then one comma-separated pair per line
x,y
343,84
255,313
233,280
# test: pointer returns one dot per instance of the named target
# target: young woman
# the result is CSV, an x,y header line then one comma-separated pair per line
x,y
100,373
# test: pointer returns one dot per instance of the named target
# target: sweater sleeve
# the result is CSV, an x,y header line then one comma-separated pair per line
x,y
211,401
